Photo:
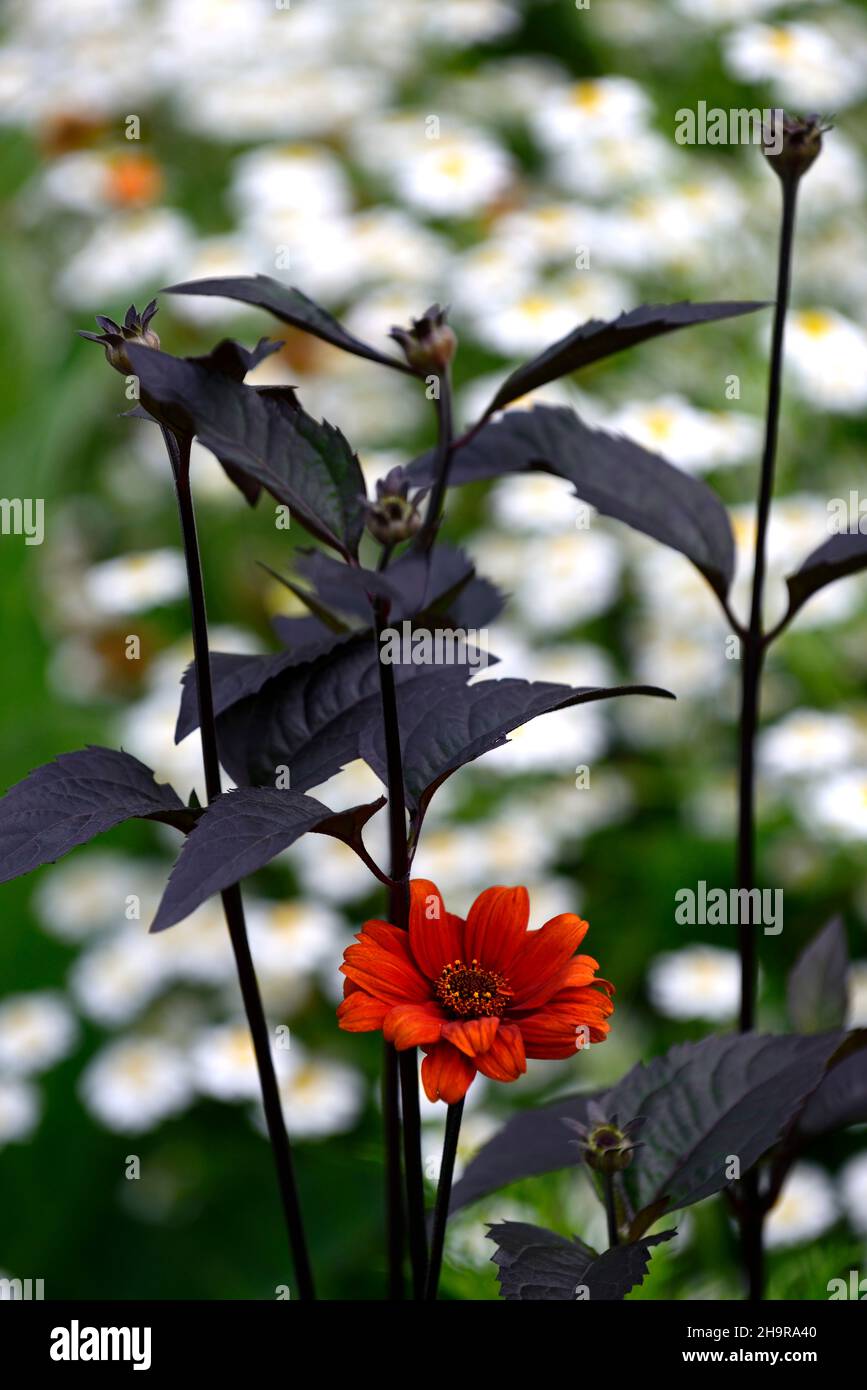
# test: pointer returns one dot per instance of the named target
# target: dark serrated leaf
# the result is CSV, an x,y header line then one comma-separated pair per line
x,y
706,1102
702,1102
840,556
305,464
536,1265
290,306
816,989
76,797
444,726
614,474
597,339
840,1099
238,833
311,717
234,677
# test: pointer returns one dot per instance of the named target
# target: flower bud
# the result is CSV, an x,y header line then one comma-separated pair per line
x,y
392,517
791,145
114,337
606,1146
430,344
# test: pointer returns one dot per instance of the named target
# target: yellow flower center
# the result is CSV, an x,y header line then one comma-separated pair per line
x,y
467,990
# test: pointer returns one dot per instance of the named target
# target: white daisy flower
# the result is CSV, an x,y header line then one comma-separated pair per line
x,y
329,869
805,1209
20,1109
123,253
593,107
273,100
133,583
197,950
566,580
91,891
553,743
827,354
114,979
147,730
806,742
301,179
207,259
853,1191
838,806
320,1097
292,938
694,663
804,63
697,982
455,176
36,1030
223,1062
609,164
493,273
387,244
695,439
534,502
531,321
133,1084
457,22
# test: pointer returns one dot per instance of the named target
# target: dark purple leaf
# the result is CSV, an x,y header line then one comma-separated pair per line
x,y
840,1099
614,474
350,589
234,676
704,1102
840,556
238,833
816,990
311,717
73,799
303,463
597,339
290,306
536,1265
444,725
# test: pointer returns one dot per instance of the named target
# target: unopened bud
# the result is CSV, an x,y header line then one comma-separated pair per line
x,y
115,336
791,145
430,344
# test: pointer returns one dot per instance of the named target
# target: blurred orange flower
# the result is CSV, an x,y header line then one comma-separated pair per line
x,y
477,995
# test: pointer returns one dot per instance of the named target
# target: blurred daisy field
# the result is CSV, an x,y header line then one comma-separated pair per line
x,y
518,161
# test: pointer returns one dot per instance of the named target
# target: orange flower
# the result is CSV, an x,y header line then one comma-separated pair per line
x,y
477,995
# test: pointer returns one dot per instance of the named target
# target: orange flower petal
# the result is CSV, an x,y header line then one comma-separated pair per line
x,y
381,963
496,927
506,1059
412,1025
471,1035
545,954
557,1031
360,1014
435,936
446,1073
